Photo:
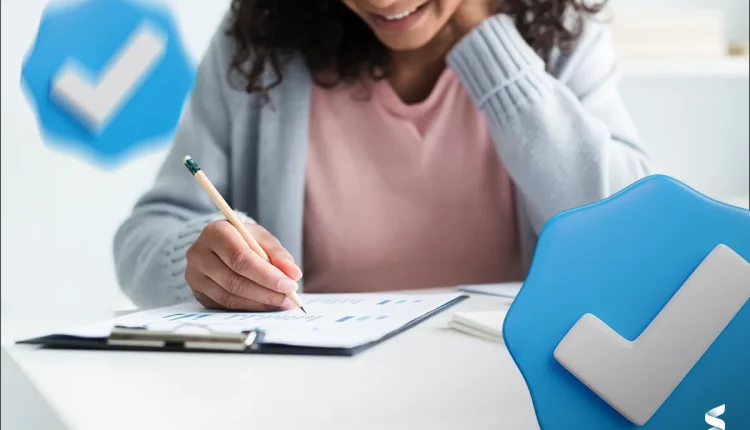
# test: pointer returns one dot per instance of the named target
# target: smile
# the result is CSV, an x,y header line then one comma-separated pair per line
x,y
401,15
401,20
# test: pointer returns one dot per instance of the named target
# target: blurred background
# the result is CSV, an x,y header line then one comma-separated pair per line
x,y
687,94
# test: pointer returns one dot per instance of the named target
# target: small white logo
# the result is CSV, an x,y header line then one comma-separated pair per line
x,y
713,420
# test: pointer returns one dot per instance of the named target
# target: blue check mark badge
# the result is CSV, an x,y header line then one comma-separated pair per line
x,y
637,377
95,101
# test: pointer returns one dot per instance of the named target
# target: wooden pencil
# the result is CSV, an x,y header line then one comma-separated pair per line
x,y
231,216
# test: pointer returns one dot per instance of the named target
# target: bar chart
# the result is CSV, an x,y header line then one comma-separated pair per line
x,y
362,318
398,302
339,321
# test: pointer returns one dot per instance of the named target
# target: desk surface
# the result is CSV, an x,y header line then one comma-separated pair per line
x,y
429,377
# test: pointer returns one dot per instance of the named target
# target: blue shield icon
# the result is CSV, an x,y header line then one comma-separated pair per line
x,y
616,266
107,78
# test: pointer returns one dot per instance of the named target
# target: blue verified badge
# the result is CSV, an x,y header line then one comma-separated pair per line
x,y
107,77
636,313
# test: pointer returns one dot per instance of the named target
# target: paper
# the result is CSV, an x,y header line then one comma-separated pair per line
x,y
508,289
332,320
486,324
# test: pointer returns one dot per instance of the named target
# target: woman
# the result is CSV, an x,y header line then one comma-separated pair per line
x,y
387,144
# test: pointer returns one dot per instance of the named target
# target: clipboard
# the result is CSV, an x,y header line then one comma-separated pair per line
x,y
125,338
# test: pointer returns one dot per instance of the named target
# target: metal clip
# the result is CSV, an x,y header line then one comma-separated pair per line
x,y
209,340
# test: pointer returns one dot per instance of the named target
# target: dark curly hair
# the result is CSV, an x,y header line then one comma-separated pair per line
x,y
335,42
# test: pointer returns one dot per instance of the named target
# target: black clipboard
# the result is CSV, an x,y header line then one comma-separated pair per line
x,y
249,342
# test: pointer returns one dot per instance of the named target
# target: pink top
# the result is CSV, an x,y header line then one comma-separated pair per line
x,y
405,196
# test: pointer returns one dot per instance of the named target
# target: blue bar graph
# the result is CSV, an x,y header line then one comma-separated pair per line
x,y
183,317
397,302
173,315
336,301
344,319
362,318
201,316
382,317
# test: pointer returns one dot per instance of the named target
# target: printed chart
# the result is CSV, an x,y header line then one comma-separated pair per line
x,y
341,321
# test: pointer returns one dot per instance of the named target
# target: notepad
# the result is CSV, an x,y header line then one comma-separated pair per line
x,y
507,289
486,325
332,320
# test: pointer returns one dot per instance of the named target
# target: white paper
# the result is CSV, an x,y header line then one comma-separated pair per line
x,y
332,320
508,289
487,322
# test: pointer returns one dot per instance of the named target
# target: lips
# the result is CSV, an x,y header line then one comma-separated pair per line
x,y
399,20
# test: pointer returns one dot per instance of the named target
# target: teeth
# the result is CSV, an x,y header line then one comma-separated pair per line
x,y
401,15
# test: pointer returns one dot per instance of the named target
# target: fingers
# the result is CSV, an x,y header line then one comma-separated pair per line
x,y
206,301
237,256
279,256
289,268
213,296
237,285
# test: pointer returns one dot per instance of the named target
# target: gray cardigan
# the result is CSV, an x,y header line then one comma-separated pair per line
x,y
562,132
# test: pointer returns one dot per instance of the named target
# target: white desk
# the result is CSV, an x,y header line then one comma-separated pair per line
x,y
429,377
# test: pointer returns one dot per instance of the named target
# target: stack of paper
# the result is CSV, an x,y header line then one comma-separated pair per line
x,y
486,325
509,289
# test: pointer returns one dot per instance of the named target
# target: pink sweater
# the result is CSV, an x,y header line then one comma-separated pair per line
x,y
405,196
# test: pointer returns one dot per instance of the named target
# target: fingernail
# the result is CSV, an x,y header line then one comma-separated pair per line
x,y
287,286
287,304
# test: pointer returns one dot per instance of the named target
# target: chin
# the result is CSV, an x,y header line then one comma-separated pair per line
x,y
405,42
409,32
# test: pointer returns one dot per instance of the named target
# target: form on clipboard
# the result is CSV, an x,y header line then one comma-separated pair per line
x,y
336,324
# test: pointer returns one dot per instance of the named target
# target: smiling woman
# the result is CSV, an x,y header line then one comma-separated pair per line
x,y
333,39
481,120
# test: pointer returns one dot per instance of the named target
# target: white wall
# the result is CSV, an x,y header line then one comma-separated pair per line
x,y
59,213
696,126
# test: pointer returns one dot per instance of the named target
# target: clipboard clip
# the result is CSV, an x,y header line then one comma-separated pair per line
x,y
202,339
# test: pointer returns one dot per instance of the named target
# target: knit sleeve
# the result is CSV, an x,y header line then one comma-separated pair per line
x,y
566,140
150,245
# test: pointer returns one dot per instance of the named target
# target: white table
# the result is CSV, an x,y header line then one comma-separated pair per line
x,y
429,377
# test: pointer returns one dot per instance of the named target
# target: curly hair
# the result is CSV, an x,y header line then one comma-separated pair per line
x,y
335,42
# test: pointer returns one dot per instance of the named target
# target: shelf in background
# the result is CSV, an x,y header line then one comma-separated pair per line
x,y
732,67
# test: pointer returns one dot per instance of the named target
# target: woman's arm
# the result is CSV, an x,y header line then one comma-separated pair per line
x,y
565,141
150,246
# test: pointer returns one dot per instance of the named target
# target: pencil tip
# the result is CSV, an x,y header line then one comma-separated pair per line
x,y
303,309
187,157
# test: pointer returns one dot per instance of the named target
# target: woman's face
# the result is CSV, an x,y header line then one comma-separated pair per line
x,y
404,24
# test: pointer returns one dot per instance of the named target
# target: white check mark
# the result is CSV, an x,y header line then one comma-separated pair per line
x,y
96,101
635,378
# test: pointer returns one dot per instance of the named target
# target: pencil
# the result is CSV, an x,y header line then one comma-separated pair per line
x,y
232,217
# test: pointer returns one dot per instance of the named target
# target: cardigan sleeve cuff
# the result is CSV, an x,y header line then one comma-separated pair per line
x,y
495,58
189,232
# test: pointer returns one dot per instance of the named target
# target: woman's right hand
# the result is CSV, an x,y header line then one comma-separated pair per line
x,y
224,273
